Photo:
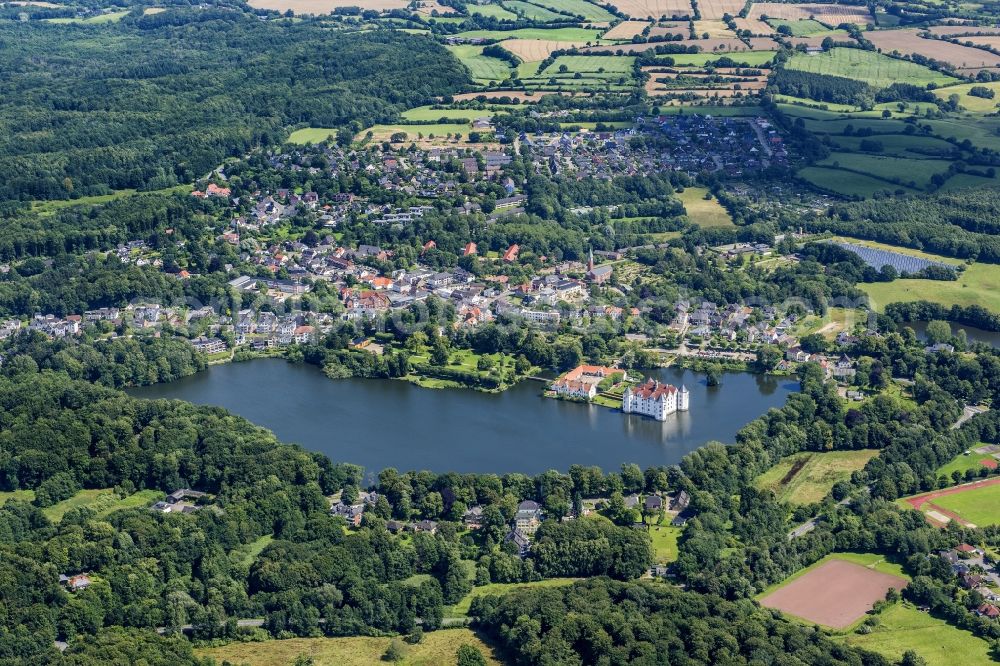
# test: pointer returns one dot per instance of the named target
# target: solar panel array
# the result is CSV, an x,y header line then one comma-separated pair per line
x,y
903,263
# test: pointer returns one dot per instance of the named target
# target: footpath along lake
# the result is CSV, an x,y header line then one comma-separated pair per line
x,y
389,423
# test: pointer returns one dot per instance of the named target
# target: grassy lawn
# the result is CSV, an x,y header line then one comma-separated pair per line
x,y
867,66
110,17
904,628
979,284
848,183
54,205
437,647
704,212
871,561
814,474
430,114
961,463
311,135
980,505
461,609
482,68
249,552
664,542
103,501
22,495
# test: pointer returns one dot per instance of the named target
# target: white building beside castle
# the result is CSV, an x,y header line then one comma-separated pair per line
x,y
656,400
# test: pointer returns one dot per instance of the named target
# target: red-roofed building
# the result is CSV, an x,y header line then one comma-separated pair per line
x,y
470,250
214,190
511,253
582,381
429,245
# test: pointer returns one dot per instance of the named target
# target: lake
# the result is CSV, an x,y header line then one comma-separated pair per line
x,y
972,333
391,423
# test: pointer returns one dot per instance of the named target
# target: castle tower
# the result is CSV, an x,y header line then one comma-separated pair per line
x,y
683,399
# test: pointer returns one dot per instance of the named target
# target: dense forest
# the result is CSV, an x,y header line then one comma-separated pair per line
x,y
162,99
961,225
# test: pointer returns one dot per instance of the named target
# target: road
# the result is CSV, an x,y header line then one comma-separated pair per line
x,y
967,413
810,525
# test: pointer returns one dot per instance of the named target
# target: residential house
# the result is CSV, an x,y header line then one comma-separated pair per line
x,y
528,517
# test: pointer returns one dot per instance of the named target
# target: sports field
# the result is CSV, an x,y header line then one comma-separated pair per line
x,y
867,66
979,284
902,627
836,593
437,647
807,477
974,504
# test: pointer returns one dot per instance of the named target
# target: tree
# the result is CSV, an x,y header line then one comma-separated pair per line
x,y
469,655
713,376
396,651
938,331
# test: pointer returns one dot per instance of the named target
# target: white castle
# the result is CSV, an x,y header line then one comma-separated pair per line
x,y
656,400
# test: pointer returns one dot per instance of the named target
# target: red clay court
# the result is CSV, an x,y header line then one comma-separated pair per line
x,y
835,594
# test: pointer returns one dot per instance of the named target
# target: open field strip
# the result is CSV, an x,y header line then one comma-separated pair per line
x,y
867,66
979,284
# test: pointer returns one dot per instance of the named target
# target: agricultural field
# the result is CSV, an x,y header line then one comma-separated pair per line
x,y
744,58
706,213
430,114
902,627
714,10
801,27
437,647
625,30
970,102
979,284
493,11
714,28
755,26
829,14
913,173
899,145
613,72
837,591
533,12
578,8
326,6
848,183
807,477
867,66
483,68
654,9
535,50
909,42
554,35
974,504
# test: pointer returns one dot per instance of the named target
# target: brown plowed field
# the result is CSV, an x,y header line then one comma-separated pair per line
x,y
835,594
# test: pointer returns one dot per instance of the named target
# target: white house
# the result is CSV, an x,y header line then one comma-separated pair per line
x,y
656,400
